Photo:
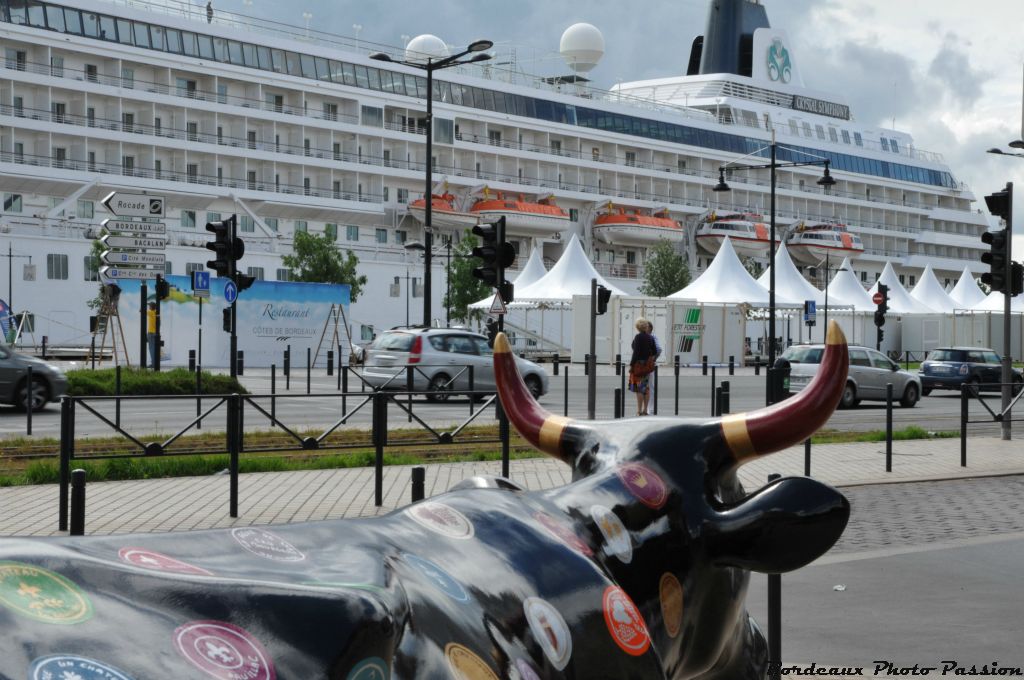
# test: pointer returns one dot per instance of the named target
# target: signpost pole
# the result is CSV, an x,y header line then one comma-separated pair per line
x,y
156,355
143,294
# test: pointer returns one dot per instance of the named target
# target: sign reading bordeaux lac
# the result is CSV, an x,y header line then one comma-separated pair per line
x,y
134,205
134,227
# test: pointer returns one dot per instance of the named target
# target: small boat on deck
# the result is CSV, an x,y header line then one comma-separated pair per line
x,y
443,212
812,242
631,226
522,216
748,232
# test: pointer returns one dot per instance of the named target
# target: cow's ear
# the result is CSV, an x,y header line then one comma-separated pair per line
x,y
784,526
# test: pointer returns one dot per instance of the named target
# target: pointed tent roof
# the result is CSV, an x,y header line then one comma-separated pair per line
x,y
847,291
789,282
900,301
727,281
929,291
965,293
533,271
569,276
993,302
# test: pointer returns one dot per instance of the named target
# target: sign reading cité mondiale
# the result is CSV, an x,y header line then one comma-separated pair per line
x,y
821,107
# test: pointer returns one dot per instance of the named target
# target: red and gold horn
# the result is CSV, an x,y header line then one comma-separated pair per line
x,y
554,435
790,422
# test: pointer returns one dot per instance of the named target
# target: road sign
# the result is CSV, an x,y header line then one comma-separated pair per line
x,y
810,312
123,273
230,292
201,284
498,305
134,205
877,298
137,242
121,258
122,226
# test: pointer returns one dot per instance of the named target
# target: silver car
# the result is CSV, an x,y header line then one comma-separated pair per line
x,y
48,381
440,358
869,373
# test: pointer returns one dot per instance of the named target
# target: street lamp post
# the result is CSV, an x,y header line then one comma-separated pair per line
x,y
476,48
840,268
416,245
826,183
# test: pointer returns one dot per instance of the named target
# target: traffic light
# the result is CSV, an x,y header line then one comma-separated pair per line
x,y
226,319
1016,278
1000,203
881,336
492,331
225,245
995,258
494,252
507,291
603,295
243,281
163,289
882,307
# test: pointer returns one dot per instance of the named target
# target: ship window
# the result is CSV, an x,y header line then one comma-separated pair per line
x,y
349,74
885,143
833,136
294,65
820,130
373,116
279,61
895,147
220,49
205,46
55,17
17,12
387,83
263,58
173,40
141,33
235,52
807,129
37,17
249,55
91,24
308,69
374,78
352,232
444,92
362,77
410,85
246,223
857,139
846,136
323,70
444,130
56,266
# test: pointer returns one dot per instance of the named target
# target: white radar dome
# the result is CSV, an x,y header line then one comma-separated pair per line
x,y
424,47
582,46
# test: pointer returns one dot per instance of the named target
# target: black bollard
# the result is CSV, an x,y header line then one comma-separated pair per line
x,y
344,389
704,364
29,400
419,478
288,367
199,400
566,406
117,395
618,364
713,391
807,457
191,361
716,408
309,368
330,362
77,525
273,394
757,365
555,362
732,365
888,427
675,369
724,407
618,404
92,352
963,425
240,363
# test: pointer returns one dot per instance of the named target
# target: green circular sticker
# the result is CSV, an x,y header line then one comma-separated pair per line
x,y
42,595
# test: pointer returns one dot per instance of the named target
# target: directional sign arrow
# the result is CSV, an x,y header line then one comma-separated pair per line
x,y
121,273
121,258
139,243
135,227
134,205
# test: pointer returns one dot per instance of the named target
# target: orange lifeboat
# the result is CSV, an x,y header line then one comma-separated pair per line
x,y
540,217
630,226
747,232
442,212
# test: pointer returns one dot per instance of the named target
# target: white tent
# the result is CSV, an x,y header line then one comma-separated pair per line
x,y
789,282
846,290
929,291
965,293
994,303
726,281
900,301
569,276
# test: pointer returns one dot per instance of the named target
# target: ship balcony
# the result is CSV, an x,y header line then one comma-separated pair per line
x,y
624,270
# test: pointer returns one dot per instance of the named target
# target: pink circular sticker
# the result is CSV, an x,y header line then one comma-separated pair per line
x,y
643,483
149,559
441,518
224,651
563,533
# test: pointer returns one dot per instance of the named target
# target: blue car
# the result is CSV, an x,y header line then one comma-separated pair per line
x,y
947,368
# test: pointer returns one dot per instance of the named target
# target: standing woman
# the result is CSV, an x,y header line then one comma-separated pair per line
x,y
641,364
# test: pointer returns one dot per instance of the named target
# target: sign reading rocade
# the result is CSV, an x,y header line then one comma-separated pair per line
x,y
821,107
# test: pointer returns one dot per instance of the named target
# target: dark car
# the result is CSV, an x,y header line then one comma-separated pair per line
x,y
947,368
48,382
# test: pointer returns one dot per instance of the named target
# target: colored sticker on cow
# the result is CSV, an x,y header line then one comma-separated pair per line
x,y
625,622
644,483
441,579
149,559
442,519
563,533
525,670
224,651
617,541
466,665
266,545
42,595
373,668
550,630
67,667
671,596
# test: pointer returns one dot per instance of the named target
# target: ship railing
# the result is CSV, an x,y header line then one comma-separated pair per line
x,y
624,270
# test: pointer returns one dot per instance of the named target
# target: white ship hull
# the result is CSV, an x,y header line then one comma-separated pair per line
x,y
635,234
744,247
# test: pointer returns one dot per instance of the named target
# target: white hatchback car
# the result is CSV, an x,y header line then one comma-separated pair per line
x,y
869,373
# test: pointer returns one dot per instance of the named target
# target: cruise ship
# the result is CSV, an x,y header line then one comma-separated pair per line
x,y
298,130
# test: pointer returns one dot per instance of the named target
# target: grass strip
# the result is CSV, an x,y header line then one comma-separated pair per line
x,y
176,381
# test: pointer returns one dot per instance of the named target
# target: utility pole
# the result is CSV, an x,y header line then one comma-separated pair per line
x,y
591,362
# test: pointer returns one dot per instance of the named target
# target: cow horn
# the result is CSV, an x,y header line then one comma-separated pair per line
x,y
552,434
790,422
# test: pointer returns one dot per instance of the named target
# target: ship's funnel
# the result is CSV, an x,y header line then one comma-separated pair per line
x,y
727,43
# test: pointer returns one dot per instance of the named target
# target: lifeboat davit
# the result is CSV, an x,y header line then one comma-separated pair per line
x,y
748,233
629,226
443,212
523,217
812,242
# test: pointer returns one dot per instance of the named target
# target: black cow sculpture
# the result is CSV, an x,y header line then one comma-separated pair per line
x,y
636,569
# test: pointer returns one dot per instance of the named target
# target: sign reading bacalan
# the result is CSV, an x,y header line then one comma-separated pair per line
x,y
821,107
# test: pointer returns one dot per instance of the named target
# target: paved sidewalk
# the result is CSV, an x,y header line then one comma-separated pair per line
x,y
185,503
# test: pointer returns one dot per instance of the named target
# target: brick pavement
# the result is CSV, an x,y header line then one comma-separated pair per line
x,y
180,504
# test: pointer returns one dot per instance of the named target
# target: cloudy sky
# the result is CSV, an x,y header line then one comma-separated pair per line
x,y
945,71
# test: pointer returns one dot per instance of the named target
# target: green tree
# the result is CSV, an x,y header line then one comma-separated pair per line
x,y
665,271
464,288
315,259
97,250
754,267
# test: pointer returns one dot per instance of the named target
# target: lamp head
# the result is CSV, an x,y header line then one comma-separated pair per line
x,y
479,56
827,181
480,45
1017,144
721,186
414,245
998,152
381,56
